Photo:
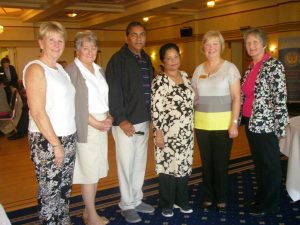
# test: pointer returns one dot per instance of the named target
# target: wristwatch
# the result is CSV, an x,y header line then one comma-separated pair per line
x,y
235,121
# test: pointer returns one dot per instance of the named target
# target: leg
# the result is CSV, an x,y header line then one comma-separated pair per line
x,y
54,183
140,161
182,191
167,191
204,143
69,144
221,154
252,144
125,153
88,195
267,156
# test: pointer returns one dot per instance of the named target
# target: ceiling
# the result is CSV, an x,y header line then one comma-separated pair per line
x,y
99,14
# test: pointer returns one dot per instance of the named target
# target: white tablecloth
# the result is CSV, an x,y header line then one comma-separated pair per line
x,y
290,146
3,217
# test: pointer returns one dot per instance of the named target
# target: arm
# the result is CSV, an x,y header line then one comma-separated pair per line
x,y
35,82
235,108
117,109
279,95
103,125
157,109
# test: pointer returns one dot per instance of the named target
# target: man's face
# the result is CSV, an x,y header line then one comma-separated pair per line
x,y
136,39
6,65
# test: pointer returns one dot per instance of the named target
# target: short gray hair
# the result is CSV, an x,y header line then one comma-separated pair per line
x,y
86,35
258,33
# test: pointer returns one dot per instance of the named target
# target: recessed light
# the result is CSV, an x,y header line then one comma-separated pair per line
x,y
210,3
72,14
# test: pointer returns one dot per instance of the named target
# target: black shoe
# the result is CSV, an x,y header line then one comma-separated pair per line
x,y
15,136
250,203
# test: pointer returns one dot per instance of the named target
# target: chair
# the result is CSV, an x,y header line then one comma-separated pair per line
x,y
15,112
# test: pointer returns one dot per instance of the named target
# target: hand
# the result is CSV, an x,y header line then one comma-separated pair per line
x,y
105,125
233,131
159,139
127,128
59,155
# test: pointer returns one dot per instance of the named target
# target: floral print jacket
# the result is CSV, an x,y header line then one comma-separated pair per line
x,y
269,111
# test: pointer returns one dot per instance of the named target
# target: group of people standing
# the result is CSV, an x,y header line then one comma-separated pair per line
x,y
71,111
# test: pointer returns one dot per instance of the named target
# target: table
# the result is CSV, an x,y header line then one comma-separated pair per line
x,y
3,217
290,146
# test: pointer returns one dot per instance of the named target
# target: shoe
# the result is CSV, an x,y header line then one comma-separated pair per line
x,y
167,212
86,219
15,136
206,205
144,208
250,203
131,216
221,207
185,209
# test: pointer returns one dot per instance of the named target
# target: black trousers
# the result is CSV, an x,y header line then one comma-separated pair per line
x,y
215,149
266,157
173,190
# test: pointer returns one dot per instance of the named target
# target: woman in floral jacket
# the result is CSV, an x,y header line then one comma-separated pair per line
x,y
265,116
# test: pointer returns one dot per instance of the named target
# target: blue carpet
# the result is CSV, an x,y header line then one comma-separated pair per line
x,y
242,186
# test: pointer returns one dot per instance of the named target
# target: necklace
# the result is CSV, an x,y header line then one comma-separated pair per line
x,y
176,78
211,69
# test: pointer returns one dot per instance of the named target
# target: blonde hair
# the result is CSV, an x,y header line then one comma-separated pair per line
x,y
86,35
51,27
213,34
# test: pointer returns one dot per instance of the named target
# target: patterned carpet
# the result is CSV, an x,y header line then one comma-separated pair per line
x,y
242,186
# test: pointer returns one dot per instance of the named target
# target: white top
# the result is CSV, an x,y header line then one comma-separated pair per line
x,y
218,83
97,87
60,96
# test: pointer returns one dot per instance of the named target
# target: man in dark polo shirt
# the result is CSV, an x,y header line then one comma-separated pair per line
x,y
129,74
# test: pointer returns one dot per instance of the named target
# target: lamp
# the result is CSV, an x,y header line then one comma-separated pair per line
x,y
272,48
1,29
210,4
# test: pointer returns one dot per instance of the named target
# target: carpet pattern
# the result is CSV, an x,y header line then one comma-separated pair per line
x,y
242,186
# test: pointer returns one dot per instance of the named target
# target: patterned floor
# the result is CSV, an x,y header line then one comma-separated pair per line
x,y
242,186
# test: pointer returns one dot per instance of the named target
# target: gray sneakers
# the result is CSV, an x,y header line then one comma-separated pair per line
x,y
144,208
131,216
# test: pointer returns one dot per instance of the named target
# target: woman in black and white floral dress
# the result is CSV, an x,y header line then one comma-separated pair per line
x,y
172,115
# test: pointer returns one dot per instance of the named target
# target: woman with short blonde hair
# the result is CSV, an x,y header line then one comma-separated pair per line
x,y
52,128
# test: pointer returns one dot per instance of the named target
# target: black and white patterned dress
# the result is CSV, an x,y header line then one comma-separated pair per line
x,y
172,112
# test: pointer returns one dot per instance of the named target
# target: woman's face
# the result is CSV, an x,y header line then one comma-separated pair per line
x,y
52,45
254,46
212,48
171,60
87,52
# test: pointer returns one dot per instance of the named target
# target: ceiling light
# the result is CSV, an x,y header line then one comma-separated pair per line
x,y
210,3
72,15
1,29
146,19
